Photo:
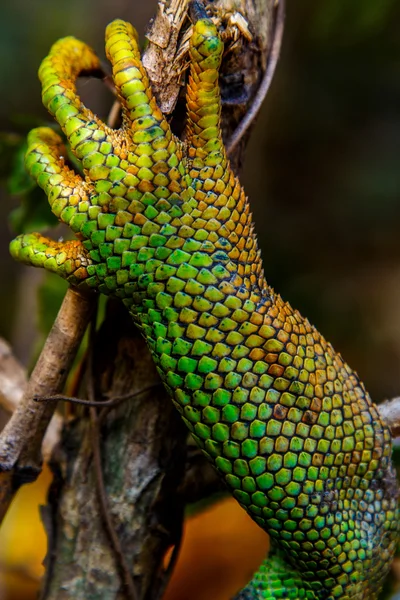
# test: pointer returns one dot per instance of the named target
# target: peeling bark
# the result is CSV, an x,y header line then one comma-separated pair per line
x,y
243,66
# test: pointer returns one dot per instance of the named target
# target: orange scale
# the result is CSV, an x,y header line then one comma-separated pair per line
x,y
209,184
139,219
174,185
277,323
200,196
257,354
256,318
81,273
276,370
146,186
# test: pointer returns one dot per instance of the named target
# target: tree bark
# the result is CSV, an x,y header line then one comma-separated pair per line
x,y
143,446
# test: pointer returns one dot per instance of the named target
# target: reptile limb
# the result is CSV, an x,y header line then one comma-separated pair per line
x,y
166,227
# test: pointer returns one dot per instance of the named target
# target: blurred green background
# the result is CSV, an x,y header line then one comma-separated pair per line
x,y
321,168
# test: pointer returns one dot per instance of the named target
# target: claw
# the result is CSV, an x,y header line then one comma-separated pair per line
x,y
197,10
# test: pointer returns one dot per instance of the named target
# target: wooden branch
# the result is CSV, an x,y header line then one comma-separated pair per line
x,y
21,439
163,57
13,381
244,66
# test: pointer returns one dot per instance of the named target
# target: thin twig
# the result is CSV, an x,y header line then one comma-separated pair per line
x,y
174,556
265,82
109,83
110,402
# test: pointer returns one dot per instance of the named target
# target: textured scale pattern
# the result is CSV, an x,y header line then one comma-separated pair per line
x,y
165,226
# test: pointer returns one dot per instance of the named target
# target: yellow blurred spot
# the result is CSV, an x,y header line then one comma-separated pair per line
x,y
23,542
221,549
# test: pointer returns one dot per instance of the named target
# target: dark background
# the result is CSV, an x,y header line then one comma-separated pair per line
x,y
321,168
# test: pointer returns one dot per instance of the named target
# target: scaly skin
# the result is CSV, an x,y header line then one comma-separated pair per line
x,y
165,226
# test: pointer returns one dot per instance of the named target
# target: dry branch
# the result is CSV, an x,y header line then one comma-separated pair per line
x,y
21,439
247,27
13,381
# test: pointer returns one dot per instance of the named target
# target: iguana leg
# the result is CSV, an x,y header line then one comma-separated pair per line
x,y
153,152
68,259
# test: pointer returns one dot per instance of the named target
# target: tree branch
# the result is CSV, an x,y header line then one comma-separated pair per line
x,y
13,381
21,439
247,55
